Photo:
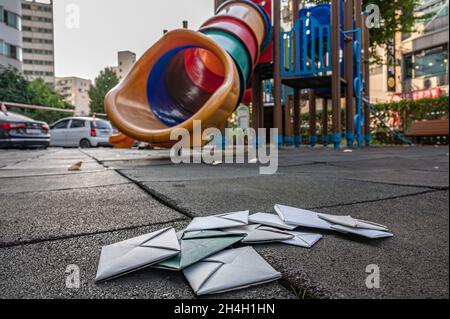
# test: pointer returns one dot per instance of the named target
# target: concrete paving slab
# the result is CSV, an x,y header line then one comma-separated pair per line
x,y
413,264
261,193
38,271
29,217
43,229
48,183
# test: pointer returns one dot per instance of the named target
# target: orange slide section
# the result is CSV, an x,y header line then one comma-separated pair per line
x,y
188,76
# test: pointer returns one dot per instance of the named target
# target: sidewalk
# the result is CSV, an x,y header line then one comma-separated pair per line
x,y
51,218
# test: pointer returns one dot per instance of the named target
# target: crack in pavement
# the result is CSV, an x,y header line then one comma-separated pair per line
x,y
153,194
53,174
79,235
380,199
435,187
74,188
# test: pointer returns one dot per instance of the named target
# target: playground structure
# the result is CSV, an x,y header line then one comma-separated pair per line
x,y
241,55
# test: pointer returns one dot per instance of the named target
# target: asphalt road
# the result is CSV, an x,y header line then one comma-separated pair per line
x,y
51,218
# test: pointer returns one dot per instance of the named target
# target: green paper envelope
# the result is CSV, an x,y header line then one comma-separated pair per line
x,y
196,246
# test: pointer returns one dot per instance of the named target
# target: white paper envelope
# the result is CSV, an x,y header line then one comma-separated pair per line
x,y
301,217
137,253
230,270
306,240
260,234
219,221
270,220
305,218
368,233
349,221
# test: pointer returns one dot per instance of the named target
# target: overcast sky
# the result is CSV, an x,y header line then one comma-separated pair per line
x,y
109,26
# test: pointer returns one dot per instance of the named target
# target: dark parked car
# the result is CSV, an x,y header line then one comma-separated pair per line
x,y
17,131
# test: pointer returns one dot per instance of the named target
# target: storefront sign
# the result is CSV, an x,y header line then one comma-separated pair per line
x,y
418,95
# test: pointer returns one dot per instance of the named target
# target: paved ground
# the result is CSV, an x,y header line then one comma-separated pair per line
x,y
51,218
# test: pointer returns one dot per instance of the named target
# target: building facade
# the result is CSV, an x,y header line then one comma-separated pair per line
x,y
11,34
38,40
415,65
425,53
75,90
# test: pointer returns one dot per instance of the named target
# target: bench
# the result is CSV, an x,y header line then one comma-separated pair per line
x,y
434,131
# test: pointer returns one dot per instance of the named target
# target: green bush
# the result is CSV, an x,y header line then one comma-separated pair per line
x,y
411,111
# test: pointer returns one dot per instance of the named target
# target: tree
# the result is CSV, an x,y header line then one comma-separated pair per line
x,y
15,88
41,94
105,81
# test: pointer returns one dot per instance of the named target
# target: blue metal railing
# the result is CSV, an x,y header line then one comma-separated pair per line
x,y
312,48
358,86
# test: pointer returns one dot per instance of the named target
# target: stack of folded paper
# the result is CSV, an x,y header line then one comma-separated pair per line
x,y
201,250
342,224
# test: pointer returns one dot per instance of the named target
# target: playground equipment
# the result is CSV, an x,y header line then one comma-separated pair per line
x,y
188,76
204,75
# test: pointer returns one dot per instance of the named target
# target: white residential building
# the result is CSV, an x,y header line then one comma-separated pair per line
x,y
38,40
11,34
75,90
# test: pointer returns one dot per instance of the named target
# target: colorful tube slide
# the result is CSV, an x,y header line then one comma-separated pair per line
x,y
188,76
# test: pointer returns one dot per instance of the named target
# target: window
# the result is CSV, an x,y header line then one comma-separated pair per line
x,y
425,63
408,66
11,19
101,125
11,51
77,124
61,125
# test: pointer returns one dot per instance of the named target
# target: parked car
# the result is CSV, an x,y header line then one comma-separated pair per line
x,y
18,131
81,132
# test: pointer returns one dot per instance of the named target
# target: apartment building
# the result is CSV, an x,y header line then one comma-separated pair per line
x,y
38,40
75,90
125,61
11,34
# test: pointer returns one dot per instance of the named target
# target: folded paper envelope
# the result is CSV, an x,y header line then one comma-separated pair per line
x,y
348,221
368,233
270,220
306,240
133,254
261,234
196,246
230,270
301,217
219,221
306,218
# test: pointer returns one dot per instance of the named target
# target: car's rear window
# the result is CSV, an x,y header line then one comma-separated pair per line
x,y
102,125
